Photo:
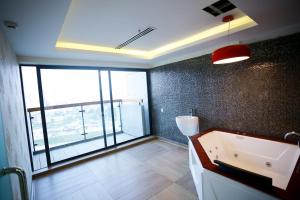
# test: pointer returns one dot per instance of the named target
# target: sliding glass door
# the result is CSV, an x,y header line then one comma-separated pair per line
x,y
77,111
33,117
72,111
130,102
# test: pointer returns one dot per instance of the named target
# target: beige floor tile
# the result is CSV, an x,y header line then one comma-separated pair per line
x,y
146,151
174,192
172,164
187,183
138,183
145,171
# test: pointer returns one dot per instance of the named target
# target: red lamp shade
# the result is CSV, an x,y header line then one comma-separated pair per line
x,y
230,54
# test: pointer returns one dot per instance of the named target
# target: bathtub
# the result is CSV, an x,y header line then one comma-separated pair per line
x,y
263,158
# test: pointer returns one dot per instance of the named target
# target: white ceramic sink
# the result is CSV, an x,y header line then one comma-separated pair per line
x,y
188,125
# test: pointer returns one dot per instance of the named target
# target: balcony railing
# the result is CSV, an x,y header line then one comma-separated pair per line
x,y
68,124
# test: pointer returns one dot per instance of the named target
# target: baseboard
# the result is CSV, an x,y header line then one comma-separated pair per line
x,y
172,142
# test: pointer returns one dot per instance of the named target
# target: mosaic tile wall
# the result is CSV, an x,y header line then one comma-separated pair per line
x,y
12,112
260,95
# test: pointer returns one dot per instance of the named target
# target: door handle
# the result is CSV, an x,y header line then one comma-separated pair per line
x,y
21,177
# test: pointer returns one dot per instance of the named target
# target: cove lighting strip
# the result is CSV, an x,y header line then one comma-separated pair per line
x,y
217,31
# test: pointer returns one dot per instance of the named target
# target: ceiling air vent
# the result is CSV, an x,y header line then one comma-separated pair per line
x,y
137,36
219,7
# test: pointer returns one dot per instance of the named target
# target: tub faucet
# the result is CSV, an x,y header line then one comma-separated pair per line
x,y
292,133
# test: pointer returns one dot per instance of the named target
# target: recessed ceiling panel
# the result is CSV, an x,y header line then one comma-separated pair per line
x,y
111,22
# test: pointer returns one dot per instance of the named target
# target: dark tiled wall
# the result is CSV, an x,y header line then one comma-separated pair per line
x,y
261,94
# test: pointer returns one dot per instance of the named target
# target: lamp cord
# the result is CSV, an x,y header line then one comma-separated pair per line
x,y
228,32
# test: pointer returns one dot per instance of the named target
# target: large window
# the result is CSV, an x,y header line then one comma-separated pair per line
x,y
73,112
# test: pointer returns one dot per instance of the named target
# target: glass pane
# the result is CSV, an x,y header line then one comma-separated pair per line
x,y
93,121
64,126
73,114
37,130
33,115
131,110
117,116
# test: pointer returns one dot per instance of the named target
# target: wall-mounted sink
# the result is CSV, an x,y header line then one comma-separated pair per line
x,y
188,125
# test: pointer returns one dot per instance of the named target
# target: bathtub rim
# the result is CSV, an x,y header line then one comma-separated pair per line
x,y
291,191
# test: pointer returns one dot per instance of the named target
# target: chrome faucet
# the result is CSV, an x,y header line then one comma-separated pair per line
x,y
292,133
192,112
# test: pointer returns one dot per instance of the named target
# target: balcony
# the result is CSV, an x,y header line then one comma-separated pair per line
x,y
75,129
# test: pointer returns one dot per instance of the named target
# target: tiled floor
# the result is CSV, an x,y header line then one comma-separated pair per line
x,y
39,160
155,170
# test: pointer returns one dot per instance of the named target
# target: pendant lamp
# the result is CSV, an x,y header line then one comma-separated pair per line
x,y
231,53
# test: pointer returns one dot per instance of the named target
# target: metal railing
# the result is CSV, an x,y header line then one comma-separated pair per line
x,y
82,107
21,177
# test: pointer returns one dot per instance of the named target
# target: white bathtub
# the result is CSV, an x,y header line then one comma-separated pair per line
x,y
273,159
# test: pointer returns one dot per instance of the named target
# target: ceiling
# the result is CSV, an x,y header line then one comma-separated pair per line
x,y
108,23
